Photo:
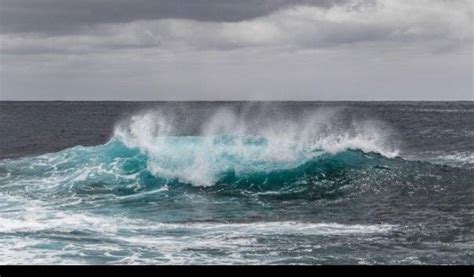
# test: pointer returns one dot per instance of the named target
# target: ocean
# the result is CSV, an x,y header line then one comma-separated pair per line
x,y
237,183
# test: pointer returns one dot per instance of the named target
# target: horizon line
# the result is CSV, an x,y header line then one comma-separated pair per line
x,y
437,100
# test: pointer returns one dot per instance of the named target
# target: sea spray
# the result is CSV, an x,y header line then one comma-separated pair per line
x,y
231,142
216,183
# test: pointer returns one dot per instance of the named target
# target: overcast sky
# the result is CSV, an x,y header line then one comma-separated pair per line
x,y
236,50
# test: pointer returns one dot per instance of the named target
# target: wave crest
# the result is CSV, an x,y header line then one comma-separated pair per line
x,y
228,141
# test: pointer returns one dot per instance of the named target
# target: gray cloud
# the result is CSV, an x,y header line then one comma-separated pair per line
x,y
63,16
347,73
217,50
442,26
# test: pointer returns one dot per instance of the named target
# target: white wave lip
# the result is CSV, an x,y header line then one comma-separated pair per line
x,y
281,143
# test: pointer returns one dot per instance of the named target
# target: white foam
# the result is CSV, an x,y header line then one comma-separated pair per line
x,y
462,158
287,143
37,218
31,228
154,242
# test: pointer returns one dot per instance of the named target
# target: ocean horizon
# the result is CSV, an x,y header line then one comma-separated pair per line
x,y
236,182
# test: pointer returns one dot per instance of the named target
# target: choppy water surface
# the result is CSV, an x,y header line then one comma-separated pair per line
x,y
237,183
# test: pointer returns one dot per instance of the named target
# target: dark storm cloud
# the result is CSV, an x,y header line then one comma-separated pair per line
x,y
63,16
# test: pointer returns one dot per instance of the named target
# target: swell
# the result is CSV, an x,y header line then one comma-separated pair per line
x,y
104,176
115,163
313,156
227,143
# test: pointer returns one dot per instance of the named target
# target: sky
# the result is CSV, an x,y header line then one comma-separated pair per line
x,y
236,50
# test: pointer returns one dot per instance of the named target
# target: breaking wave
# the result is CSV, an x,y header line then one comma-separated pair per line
x,y
232,186
226,148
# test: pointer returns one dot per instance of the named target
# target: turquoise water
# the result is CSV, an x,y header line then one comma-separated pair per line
x,y
287,192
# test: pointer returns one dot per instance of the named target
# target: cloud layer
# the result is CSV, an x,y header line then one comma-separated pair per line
x,y
400,21
60,16
81,37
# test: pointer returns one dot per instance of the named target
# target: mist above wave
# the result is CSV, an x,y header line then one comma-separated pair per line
x,y
256,139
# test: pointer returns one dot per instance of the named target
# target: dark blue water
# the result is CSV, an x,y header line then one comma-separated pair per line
x,y
237,183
